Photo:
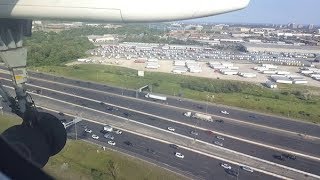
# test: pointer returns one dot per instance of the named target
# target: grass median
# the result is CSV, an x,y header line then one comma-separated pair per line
x,y
81,160
293,101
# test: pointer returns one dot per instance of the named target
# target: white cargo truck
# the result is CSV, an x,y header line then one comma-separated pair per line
x,y
202,117
156,97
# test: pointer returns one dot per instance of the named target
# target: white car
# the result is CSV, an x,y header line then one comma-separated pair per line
x,y
171,129
246,168
220,137
226,166
88,130
224,112
95,136
112,143
118,131
179,155
218,143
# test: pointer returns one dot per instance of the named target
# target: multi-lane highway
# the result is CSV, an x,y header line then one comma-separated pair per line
x,y
162,116
194,165
245,116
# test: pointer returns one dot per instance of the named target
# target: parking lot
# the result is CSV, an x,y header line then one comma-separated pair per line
x,y
166,66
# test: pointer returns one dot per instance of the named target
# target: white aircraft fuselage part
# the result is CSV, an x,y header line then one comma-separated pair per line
x,y
121,11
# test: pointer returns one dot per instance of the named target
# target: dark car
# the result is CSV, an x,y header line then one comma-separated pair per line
x,y
174,146
128,143
101,103
232,172
219,121
126,114
252,116
279,157
61,113
289,156
151,151
199,107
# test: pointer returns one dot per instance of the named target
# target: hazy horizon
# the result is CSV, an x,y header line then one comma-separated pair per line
x,y
271,12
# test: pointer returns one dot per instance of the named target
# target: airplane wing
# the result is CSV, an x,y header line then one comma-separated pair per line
x,y
120,11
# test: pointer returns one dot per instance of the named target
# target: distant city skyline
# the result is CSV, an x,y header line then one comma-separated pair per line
x,y
272,12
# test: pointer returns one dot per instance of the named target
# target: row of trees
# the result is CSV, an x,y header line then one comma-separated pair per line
x,y
50,48
215,86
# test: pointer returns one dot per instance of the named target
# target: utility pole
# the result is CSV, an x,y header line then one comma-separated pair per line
x,y
207,104
75,127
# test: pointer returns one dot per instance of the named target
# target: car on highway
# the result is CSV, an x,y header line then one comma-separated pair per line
x,y
246,168
174,146
88,130
179,155
199,107
253,116
225,112
108,136
118,131
218,143
112,143
289,156
232,172
194,133
95,136
279,157
219,121
61,113
220,137
126,114
225,166
107,128
128,143
171,129
101,103
149,150
111,108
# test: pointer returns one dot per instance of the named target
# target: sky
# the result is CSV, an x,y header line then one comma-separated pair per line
x,y
274,12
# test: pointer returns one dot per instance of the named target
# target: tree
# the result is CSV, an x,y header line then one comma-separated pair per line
x,y
113,169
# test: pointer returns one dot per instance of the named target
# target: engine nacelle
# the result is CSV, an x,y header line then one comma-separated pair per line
x,y
121,11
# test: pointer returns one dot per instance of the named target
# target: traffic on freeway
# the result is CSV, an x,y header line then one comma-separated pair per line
x,y
192,130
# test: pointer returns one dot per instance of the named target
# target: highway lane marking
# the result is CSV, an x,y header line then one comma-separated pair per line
x,y
186,148
186,137
184,109
189,125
